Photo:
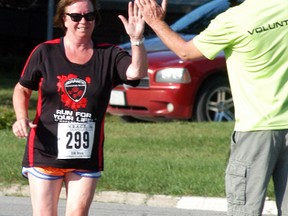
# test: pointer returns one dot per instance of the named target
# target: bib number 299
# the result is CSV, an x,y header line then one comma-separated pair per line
x,y
75,140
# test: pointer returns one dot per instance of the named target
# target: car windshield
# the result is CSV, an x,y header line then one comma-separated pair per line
x,y
197,20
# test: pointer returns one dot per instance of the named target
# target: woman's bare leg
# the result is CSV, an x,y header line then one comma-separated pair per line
x,y
80,193
44,195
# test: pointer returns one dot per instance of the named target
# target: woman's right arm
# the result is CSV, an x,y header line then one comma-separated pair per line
x,y
21,97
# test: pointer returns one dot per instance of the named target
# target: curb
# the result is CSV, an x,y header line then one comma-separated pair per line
x,y
184,202
218,204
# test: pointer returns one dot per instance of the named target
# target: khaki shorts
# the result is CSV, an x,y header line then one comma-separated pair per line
x,y
254,158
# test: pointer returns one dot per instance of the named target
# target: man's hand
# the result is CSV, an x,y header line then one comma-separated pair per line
x,y
152,11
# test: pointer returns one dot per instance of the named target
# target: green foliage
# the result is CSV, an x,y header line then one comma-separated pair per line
x,y
7,118
11,155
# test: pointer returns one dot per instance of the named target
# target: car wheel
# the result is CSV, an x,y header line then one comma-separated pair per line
x,y
215,102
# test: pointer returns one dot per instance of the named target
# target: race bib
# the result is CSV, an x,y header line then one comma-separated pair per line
x,y
75,140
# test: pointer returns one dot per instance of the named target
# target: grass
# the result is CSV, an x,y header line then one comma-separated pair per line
x,y
167,158
172,158
177,158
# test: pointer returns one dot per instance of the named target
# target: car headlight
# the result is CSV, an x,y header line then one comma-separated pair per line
x,y
173,75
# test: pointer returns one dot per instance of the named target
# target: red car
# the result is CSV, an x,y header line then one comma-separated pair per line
x,y
175,89
192,90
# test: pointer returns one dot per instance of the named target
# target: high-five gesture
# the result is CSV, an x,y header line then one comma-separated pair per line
x,y
151,10
154,15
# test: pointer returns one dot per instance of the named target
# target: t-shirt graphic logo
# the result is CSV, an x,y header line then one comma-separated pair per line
x,y
75,88
72,91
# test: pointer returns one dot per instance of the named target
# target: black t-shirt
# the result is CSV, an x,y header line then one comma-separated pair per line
x,y
72,102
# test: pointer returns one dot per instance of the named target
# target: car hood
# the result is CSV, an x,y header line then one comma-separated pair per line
x,y
167,58
162,59
153,43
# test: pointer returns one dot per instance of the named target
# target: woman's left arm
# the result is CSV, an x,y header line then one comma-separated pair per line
x,y
134,27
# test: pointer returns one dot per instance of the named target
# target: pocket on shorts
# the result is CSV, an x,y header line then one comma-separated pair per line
x,y
233,137
236,173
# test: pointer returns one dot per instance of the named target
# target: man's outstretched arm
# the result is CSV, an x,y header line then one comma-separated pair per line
x,y
154,15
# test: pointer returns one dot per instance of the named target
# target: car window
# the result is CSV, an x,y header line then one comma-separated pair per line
x,y
198,19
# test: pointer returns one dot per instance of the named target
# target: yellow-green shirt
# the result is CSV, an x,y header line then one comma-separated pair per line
x,y
254,37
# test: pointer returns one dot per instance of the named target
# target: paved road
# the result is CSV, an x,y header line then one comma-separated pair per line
x,y
21,206
15,201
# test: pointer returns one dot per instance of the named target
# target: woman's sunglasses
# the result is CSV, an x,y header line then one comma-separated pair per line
x,y
76,17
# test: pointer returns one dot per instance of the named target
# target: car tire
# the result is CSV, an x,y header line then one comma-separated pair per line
x,y
215,102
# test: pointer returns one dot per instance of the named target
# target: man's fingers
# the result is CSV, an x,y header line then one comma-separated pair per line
x,y
139,3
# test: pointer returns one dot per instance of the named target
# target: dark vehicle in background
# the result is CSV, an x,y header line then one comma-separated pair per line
x,y
175,89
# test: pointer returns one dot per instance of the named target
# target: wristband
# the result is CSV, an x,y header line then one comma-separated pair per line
x,y
138,43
